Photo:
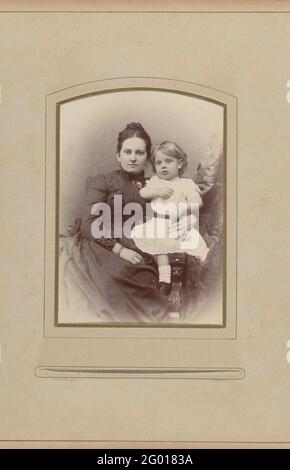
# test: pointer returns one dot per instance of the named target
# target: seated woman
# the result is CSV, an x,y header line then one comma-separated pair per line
x,y
107,279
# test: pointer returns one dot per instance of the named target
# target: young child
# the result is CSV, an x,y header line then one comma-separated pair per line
x,y
171,199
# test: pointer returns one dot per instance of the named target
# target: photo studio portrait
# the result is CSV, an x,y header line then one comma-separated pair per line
x,y
140,209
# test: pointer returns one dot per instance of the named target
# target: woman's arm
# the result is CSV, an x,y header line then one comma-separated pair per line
x,y
96,193
127,254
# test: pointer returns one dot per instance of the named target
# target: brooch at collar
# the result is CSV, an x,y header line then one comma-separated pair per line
x,y
137,183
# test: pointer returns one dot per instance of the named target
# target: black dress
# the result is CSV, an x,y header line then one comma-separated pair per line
x,y
95,284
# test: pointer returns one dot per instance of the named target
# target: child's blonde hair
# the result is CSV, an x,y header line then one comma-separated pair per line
x,y
172,150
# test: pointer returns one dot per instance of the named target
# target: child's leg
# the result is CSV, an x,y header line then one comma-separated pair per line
x,y
164,268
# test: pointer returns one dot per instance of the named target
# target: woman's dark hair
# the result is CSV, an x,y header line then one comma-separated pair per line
x,y
134,129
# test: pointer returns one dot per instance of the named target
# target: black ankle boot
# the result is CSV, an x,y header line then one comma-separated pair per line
x,y
165,287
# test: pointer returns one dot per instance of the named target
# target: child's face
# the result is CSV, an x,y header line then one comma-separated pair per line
x,y
166,167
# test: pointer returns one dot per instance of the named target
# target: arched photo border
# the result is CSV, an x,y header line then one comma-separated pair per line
x,y
111,330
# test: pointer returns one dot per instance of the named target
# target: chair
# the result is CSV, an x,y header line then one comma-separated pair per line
x,y
178,265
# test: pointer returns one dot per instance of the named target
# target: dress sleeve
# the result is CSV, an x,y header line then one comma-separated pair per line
x,y
152,182
192,192
96,192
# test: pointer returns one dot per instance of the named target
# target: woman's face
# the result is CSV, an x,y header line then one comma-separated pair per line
x,y
133,155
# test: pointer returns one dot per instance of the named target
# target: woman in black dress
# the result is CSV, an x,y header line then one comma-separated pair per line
x,y
107,279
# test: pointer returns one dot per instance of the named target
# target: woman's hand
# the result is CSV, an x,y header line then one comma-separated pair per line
x,y
127,254
131,256
180,228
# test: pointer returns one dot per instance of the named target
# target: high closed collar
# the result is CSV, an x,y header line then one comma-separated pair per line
x,y
130,177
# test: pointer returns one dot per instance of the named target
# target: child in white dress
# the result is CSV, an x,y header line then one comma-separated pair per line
x,y
173,198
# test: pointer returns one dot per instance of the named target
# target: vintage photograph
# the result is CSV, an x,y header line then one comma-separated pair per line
x,y
141,209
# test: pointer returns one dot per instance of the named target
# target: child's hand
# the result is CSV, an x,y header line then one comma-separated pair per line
x,y
165,193
131,256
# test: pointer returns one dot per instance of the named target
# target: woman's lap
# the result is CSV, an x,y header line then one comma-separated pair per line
x,y
110,288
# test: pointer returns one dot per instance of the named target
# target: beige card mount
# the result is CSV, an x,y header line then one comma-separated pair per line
x,y
221,381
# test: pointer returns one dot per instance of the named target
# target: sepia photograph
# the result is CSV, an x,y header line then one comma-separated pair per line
x,y
145,236
141,209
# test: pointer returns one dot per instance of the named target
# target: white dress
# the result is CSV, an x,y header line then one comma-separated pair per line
x,y
156,236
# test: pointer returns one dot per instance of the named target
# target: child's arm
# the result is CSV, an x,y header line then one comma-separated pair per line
x,y
153,189
152,193
147,192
